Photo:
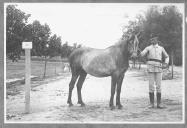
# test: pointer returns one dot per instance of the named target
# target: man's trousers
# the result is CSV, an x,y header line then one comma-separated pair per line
x,y
155,79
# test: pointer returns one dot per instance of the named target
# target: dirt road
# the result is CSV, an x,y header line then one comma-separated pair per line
x,y
48,101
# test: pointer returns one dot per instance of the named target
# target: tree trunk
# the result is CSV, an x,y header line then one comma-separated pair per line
x,y
55,68
45,66
172,64
134,63
139,65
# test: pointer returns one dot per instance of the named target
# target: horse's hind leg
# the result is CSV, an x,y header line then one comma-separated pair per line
x,y
79,87
71,86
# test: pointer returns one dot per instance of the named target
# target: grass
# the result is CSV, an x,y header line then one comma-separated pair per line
x,y
17,69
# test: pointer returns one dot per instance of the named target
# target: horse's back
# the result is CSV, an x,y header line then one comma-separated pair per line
x,y
96,62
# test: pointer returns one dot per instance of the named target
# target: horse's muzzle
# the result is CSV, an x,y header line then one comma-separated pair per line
x,y
134,55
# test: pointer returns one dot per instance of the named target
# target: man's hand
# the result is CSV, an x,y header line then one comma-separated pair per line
x,y
165,66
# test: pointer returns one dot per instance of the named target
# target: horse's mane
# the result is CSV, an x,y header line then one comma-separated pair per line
x,y
119,43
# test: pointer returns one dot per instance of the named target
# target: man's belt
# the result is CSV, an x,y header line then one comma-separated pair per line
x,y
155,60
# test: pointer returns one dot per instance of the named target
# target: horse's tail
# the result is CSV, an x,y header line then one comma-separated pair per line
x,y
75,60
70,62
69,67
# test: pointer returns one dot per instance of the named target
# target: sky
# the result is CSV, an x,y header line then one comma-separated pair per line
x,y
96,25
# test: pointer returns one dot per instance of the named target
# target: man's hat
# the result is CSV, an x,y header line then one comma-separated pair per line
x,y
154,37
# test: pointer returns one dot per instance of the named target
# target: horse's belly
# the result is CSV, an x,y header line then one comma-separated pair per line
x,y
101,66
98,72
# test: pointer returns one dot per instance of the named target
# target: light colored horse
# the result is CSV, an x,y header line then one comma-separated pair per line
x,y
66,67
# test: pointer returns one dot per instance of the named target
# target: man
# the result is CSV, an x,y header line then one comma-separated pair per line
x,y
154,54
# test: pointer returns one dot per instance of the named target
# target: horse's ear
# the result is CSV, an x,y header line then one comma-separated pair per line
x,y
131,38
139,34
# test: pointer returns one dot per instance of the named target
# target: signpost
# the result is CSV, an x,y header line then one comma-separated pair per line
x,y
27,46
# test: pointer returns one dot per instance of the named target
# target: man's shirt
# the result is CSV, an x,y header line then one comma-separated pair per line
x,y
155,52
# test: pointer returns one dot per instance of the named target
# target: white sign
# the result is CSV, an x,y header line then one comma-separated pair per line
x,y
27,45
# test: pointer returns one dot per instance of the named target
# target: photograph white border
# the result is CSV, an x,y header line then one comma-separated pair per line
x,y
124,122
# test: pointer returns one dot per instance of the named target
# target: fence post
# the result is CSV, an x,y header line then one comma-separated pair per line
x,y
27,46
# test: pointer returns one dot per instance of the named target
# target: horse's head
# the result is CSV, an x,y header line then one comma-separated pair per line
x,y
133,44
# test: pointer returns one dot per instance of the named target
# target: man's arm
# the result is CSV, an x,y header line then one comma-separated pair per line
x,y
166,56
144,52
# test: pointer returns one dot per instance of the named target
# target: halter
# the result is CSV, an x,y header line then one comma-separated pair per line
x,y
136,48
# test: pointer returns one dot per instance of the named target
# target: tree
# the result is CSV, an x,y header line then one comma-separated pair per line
x,y
76,45
173,39
16,23
54,46
40,38
165,22
66,50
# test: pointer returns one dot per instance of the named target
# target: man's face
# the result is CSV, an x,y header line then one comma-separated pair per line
x,y
154,41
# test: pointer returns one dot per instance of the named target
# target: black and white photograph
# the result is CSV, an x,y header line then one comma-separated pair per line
x,y
109,63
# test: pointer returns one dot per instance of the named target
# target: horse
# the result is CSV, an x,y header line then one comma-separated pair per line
x,y
112,61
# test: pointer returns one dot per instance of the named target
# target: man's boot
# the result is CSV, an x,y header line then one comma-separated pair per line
x,y
159,101
151,97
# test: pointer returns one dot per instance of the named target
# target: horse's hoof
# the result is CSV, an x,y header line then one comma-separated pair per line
x,y
83,105
120,106
70,104
112,107
161,107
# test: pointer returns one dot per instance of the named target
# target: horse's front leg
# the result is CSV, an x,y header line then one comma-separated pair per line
x,y
119,84
113,88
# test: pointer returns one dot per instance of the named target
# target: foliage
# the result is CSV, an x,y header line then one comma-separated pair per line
x,y
54,46
76,45
44,44
164,22
66,49
40,38
16,21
